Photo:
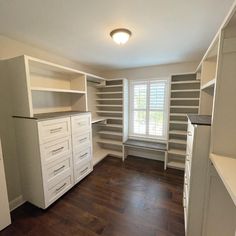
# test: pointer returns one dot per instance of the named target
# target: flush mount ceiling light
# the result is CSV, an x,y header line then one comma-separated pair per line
x,y
120,36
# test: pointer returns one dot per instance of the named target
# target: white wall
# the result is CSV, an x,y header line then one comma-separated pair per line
x,y
10,48
152,71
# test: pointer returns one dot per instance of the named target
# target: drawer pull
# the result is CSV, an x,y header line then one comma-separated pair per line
x,y
58,189
81,140
83,171
189,133
52,131
57,150
84,155
62,167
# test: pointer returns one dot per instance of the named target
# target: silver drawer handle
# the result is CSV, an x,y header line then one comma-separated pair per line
x,y
58,189
57,150
189,133
85,154
81,140
62,167
81,172
52,131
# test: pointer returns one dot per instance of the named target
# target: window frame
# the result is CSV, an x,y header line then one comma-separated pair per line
x,y
166,109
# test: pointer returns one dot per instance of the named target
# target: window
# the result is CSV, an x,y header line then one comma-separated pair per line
x,y
149,108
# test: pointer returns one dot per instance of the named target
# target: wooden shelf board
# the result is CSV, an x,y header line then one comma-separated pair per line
x,y
113,118
178,141
109,141
178,132
110,86
112,125
104,93
184,90
186,82
110,133
188,107
108,105
178,114
177,152
109,99
178,122
110,112
209,85
176,165
98,119
226,166
183,99
56,90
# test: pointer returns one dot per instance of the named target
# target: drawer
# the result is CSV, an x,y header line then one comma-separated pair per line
x,y
80,123
54,150
190,135
81,156
81,141
186,193
53,193
53,129
187,169
80,171
58,168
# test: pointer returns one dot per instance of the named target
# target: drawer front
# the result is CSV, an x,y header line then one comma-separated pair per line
x,y
82,156
53,129
58,168
59,189
80,123
81,141
82,170
54,150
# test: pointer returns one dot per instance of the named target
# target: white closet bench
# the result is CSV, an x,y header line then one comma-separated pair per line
x,y
145,145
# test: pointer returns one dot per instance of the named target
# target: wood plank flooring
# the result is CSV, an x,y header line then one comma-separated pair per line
x,y
135,198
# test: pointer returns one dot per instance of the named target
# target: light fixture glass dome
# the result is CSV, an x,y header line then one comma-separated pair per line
x,y
120,36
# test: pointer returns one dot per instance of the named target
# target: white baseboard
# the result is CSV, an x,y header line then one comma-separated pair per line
x,y
16,202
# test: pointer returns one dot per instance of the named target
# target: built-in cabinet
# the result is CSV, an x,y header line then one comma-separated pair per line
x,y
5,218
54,154
196,169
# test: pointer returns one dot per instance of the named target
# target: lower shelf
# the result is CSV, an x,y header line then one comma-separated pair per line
x,y
176,165
100,154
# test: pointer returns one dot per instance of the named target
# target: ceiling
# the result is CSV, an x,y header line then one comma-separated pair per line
x,y
164,31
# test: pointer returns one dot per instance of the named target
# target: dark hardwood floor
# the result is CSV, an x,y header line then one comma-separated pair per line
x,y
135,198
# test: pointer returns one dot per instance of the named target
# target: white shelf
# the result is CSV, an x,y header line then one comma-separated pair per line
x,y
178,122
98,119
209,85
56,90
108,105
110,112
113,118
109,99
112,125
176,165
184,90
110,133
178,132
177,152
106,93
185,99
188,107
110,86
178,114
178,141
109,141
226,168
186,82
99,155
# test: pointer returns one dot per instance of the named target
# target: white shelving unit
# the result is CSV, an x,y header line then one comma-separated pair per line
x,y
106,99
185,90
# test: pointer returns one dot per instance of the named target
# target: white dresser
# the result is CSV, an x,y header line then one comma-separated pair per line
x,y
196,167
54,154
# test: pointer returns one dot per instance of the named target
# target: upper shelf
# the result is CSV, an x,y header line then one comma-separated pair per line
x,y
209,85
226,166
56,90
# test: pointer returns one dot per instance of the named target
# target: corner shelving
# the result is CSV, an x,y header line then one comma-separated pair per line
x,y
185,91
209,85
